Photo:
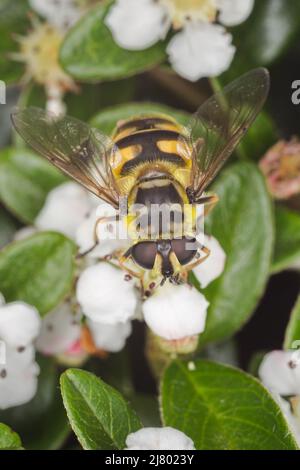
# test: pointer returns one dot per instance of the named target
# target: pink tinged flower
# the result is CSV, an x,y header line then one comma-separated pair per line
x,y
19,324
110,338
166,438
281,168
137,24
280,372
106,294
175,312
234,12
65,208
60,330
213,267
201,50
18,377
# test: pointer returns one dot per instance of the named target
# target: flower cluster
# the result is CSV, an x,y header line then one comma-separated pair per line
x,y
200,47
280,373
281,168
108,296
19,327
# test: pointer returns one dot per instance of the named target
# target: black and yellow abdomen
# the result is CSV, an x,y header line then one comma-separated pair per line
x,y
150,148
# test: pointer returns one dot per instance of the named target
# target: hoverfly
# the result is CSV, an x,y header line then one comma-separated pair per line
x,y
152,159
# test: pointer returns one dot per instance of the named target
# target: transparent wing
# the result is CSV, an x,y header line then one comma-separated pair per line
x,y
220,123
78,150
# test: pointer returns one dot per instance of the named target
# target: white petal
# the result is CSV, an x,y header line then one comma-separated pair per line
x,y
166,438
24,233
137,24
19,324
111,338
111,236
201,50
60,330
105,295
174,312
233,12
65,208
18,377
59,13
213,267
280,372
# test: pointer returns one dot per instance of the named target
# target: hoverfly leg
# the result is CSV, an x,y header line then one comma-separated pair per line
x,y
100,220
209,202
200,259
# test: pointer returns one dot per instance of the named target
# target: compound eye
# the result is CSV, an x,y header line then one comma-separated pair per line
x,y
184,249
144,254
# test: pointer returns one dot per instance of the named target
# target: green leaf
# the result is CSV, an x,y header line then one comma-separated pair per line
x,y
287,241
13,19
98,414
271,29
220,407
25,180
42,422
9,440
89,52
260,137
39,270
242,222
292,333
106,120
7,227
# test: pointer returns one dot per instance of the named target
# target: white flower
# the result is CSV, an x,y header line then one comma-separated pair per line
x,y
166,438
280,372
18,377
233,12
110,338
214,265
59,13
202,48
19,324
65,208
105,295
137,24
175,312
60,331
110,235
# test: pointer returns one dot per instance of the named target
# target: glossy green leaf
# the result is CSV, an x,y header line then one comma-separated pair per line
x,y
98,414
272,28
7,228
9,440
292,333
106,120
25,180
42,423
287,241
13,19
220,407
38,270
242,222
90,53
